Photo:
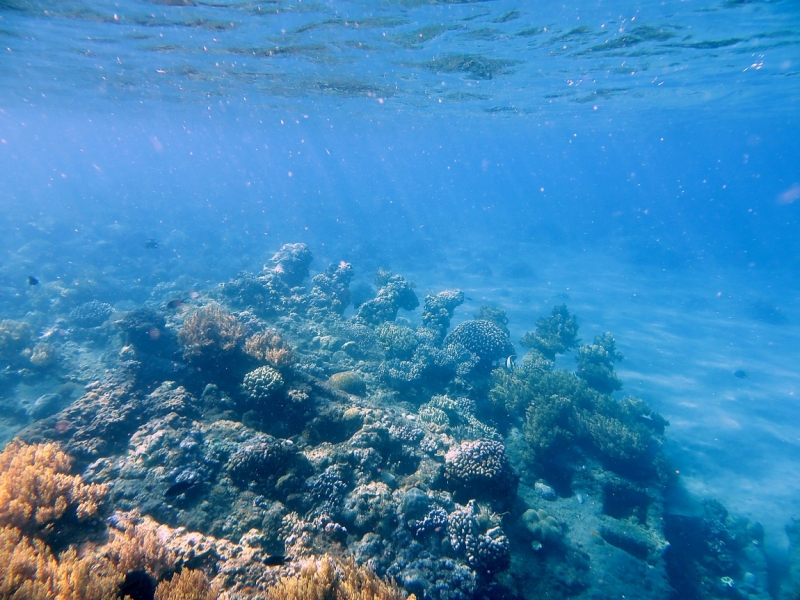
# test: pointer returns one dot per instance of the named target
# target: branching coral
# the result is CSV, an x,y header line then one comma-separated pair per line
x,y
268,346
30,571
210,333
328,579
439,310
37,489
189,584
596,364
262,384
554,335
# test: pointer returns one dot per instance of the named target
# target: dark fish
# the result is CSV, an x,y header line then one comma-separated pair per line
x,y
151,244
177,303
176,489
276,560
740,374
32,280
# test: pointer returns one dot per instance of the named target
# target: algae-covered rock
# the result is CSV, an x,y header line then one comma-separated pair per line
x,y
350,382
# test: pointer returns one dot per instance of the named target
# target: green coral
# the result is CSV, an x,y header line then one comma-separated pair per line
x,y
554,335
596,364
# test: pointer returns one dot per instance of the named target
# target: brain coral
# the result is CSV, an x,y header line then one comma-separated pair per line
x,y
484,339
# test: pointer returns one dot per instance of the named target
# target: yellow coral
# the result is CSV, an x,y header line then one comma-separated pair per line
x,y
187,585
209,332
36,488
328,579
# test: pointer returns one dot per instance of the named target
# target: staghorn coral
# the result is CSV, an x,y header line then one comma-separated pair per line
x,y
554,335
326,578
596,364
269,346
210,333
189,584
37,490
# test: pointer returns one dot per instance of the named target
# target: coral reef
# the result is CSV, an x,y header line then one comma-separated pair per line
x,y
554,335
235,465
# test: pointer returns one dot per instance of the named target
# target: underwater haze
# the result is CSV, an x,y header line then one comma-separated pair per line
x,y
333,279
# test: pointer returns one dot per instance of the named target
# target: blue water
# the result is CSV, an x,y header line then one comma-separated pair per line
x,y
639,161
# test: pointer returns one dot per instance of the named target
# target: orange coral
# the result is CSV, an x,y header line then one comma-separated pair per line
x,y
36,488
270,347
187,585
29,571
328,579
209,332
137,547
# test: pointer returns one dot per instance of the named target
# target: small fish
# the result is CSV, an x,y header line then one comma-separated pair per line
x,y
510,362
151,244
276,560
32,280
177,303
740,374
